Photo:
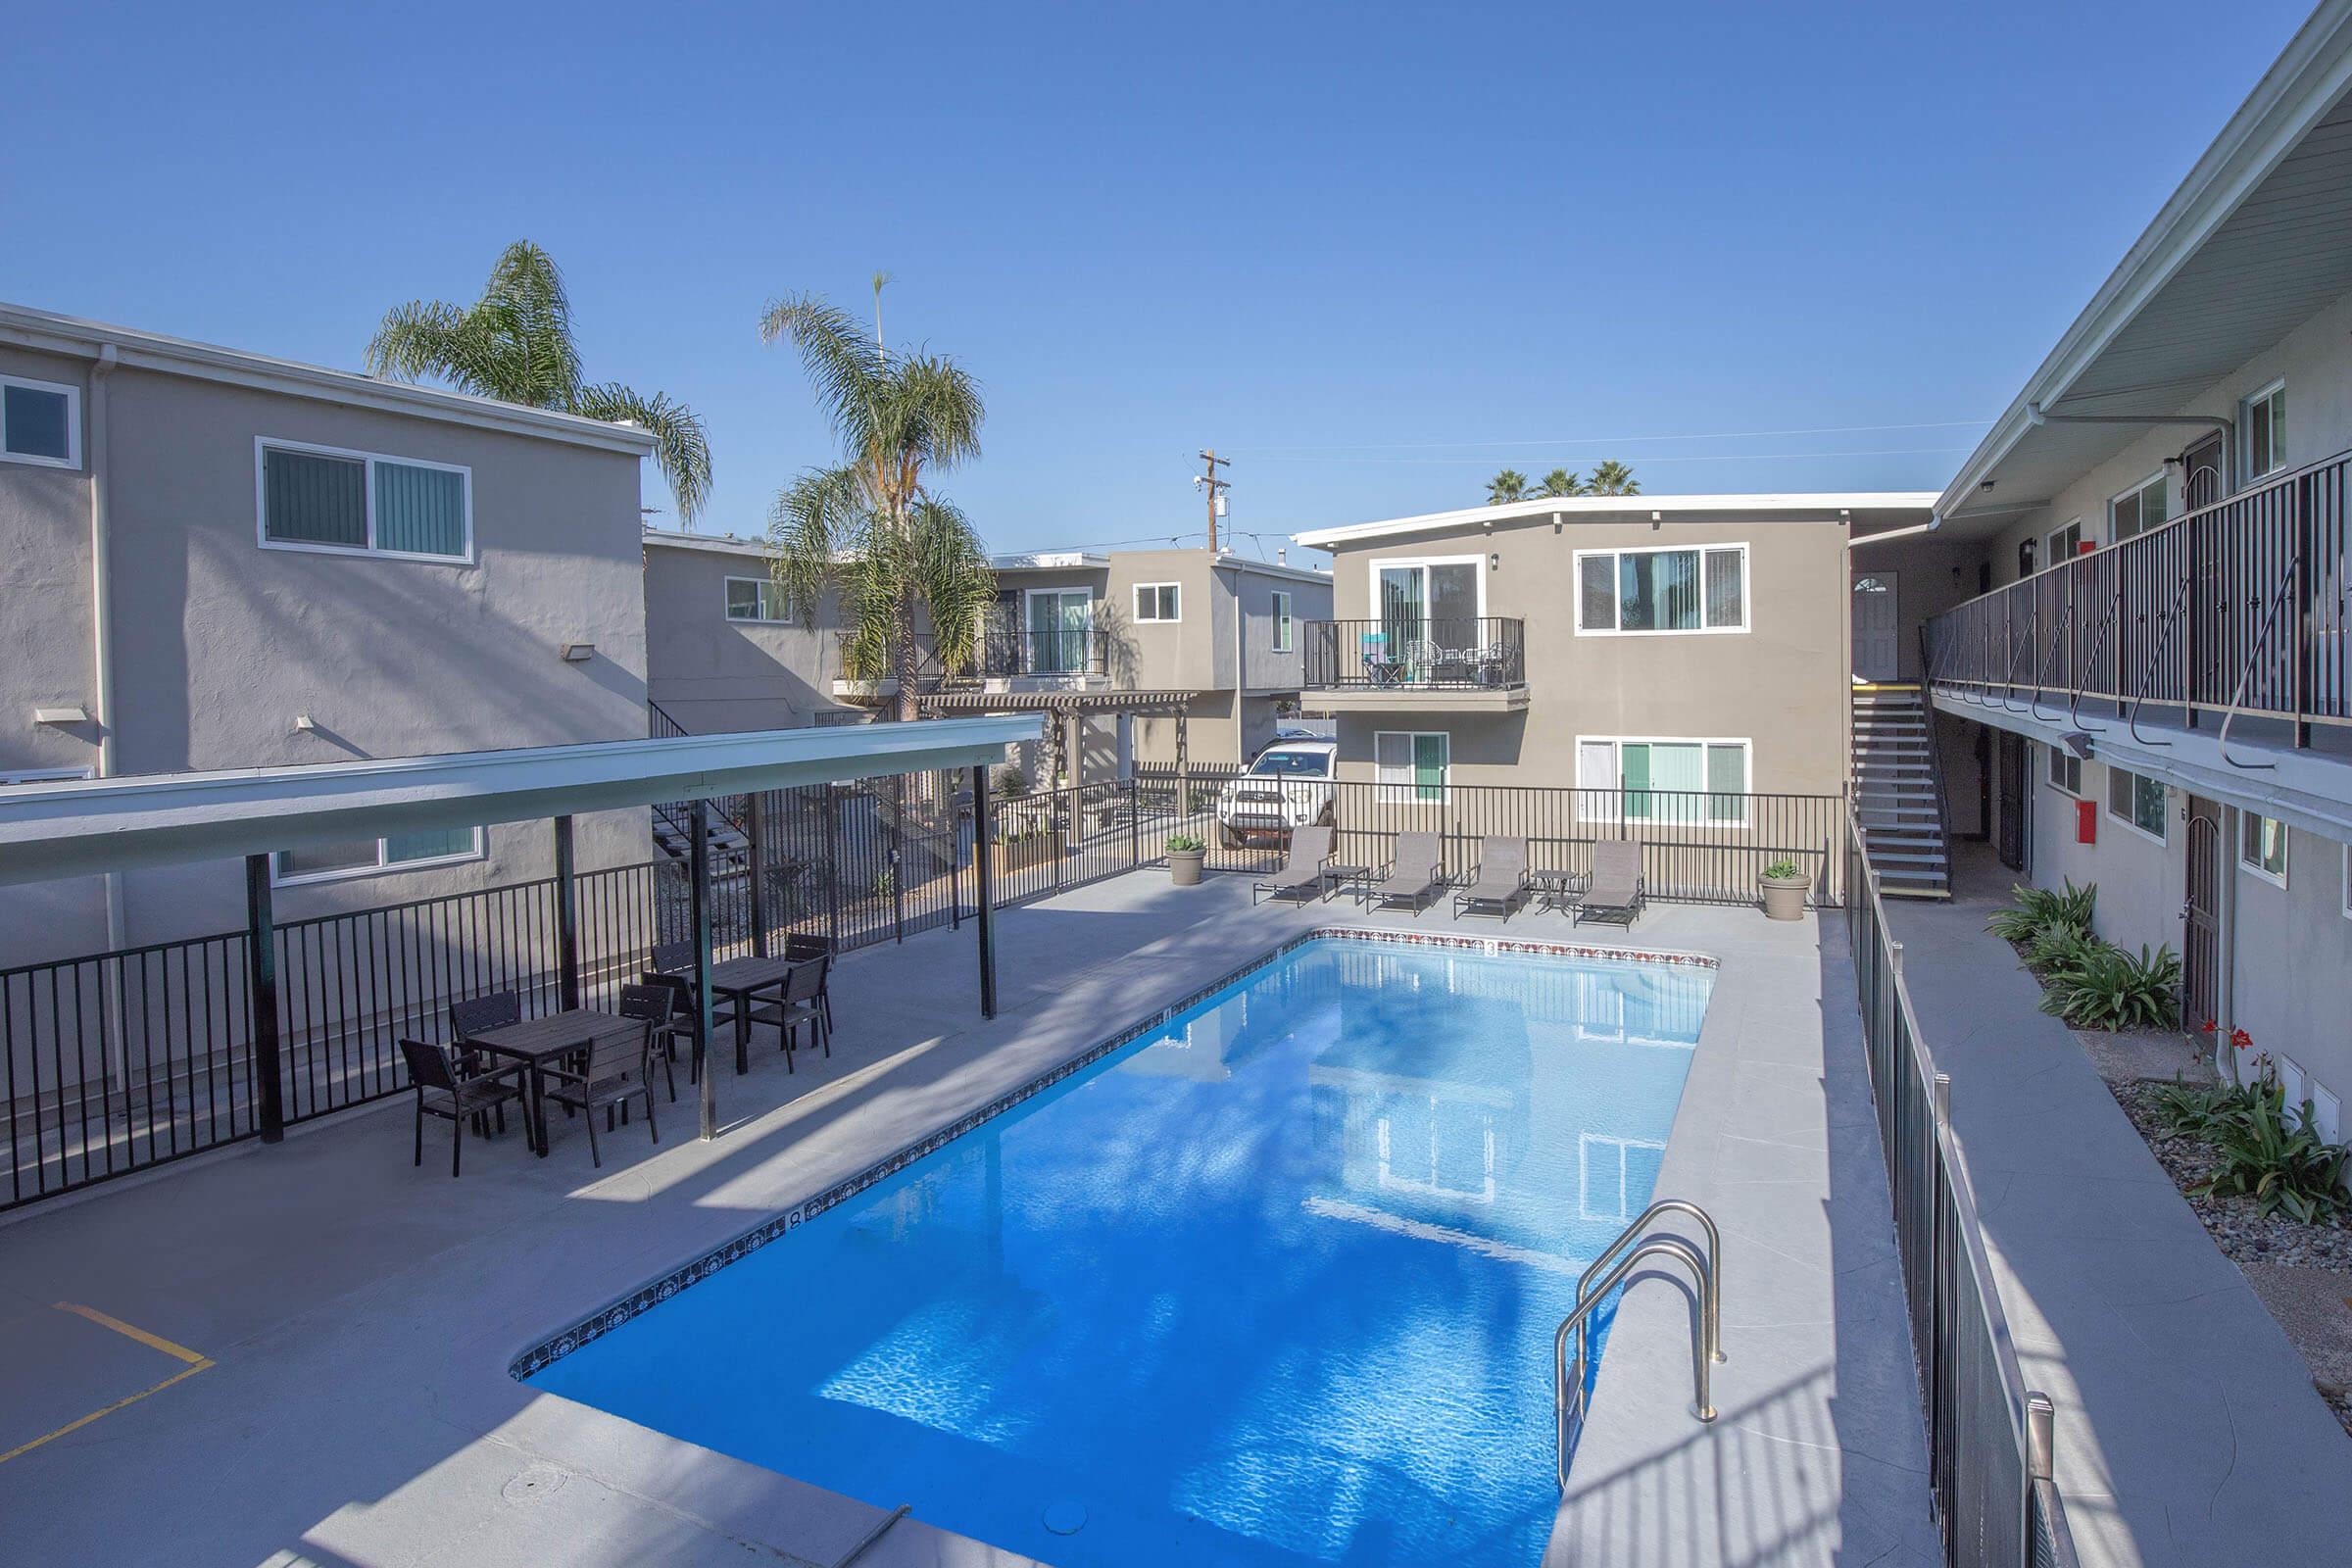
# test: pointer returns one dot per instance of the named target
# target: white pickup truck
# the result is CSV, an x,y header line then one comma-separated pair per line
x,y
1289,785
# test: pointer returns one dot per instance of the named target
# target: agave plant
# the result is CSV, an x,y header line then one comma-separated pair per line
x,y
2100,986
2061,947
2032,908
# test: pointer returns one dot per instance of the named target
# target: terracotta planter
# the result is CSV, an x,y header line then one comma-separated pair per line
x,y
1785,896
1183,866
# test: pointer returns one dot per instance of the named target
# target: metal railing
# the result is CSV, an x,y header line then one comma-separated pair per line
x,y
2238,607
1010,651
1706,1317
1416,653
1989,1436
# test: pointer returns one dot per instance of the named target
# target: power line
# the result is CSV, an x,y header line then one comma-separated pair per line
x,y
1622,440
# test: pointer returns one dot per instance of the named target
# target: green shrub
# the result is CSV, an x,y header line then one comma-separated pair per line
x,y
2033,908
2274,1158
1782,871
1184,844
2060,947
2102,987
2194,1110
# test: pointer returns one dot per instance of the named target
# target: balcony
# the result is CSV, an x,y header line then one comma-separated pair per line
x,y
2234,611
1075,655
1400,663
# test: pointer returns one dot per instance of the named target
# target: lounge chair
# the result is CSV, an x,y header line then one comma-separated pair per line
x,y
1414,874
1501,880
1618,890
1305,874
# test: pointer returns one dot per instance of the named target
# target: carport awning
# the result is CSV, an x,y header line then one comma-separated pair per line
x,y
78,828
1058,701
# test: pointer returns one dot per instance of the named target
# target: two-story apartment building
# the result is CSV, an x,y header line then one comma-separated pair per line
x,y
211,558
1691,642
724,651
2138,590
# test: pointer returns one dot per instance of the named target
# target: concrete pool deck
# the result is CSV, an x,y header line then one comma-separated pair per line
x,y
358,1315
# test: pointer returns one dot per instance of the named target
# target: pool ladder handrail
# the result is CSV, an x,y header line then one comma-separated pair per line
x,y
1707,1318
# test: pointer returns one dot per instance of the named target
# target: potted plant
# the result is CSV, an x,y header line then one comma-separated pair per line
x,y
1186,855
1783,884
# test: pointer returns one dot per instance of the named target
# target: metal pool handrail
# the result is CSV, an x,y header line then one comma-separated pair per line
x,y
1713,1299
1568,1393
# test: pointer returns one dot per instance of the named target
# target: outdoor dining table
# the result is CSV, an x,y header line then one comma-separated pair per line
x,y
742,979
535,1042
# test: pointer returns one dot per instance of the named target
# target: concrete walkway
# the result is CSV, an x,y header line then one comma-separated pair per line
x,y
358,1315
2187,1429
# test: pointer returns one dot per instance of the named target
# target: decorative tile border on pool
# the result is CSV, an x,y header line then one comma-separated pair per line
x,y
606,1319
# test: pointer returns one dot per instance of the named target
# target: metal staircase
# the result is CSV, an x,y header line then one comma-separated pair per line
x,y
1899,792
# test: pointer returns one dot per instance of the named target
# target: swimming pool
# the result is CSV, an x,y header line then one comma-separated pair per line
x,y
1274,1285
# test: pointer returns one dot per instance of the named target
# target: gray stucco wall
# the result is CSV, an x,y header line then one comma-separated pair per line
x,y
1782,684
714,675
219,643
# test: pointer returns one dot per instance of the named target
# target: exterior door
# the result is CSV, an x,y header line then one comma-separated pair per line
x,y
2200,914
2012,771
1877,654
1058,620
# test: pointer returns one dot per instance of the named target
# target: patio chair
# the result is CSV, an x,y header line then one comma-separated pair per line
x,y
803,1002
1617,890
471,1017
442,1090
673,966
1501,882
657,1005
613,1074
798,947
1415,871
1305,874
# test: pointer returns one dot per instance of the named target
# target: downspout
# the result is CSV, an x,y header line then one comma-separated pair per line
x,y
2225,940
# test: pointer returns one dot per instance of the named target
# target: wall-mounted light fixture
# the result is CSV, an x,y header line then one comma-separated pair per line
x,y
69,714
1494,561
578,653
304,725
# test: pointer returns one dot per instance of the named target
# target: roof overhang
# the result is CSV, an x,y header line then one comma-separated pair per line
x,y
78,828
1876,507
2255,241
47,332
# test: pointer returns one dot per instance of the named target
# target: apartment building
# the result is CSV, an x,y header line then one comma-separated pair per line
x,y
2134,592
211,558
1682,643
1126,647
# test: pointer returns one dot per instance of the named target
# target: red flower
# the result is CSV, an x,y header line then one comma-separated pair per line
x,y
2239,1040
2207,1027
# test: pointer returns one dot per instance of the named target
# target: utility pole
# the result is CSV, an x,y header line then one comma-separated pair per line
x,y
1214,488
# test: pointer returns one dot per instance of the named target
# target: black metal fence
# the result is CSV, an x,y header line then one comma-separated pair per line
x,y
117,1061
1988,1438
1439,653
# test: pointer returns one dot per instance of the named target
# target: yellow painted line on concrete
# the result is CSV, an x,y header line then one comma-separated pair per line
x,y
154,1342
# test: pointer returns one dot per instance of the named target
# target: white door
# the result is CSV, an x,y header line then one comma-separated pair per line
x,y
1875,651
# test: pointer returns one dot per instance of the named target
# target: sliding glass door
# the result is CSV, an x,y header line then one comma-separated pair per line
x,y
1428,601
1060,619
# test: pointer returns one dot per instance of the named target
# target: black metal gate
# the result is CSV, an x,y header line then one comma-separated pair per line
x,y
2200,913
2012,770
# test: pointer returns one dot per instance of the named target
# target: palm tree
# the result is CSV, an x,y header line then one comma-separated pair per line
x,y
1559,484
515,343
1508,485
1612,480
870,526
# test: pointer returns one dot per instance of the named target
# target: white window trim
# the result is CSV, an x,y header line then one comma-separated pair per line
x,y
380,868
2107,805
262,444
1746,586
73,395
1409,792
768,586
2049,541
2255,869
1284,637
1593,811
1141,589
1372,578
2057,752
2245,426
2154,479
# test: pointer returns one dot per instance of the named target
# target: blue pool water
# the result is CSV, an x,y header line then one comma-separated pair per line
x,y
1274,1286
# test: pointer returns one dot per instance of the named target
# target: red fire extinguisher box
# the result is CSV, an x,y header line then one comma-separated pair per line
x,y
2086,822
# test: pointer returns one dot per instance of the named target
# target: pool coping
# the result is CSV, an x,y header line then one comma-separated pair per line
x,y
544,1353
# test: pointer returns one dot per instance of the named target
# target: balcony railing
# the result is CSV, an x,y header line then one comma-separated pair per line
x,y
1416,653
1006,651
2235,607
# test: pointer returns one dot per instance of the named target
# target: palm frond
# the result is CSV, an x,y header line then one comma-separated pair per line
x,y
418,339
527,298
934,412
681,450
845,367
947,566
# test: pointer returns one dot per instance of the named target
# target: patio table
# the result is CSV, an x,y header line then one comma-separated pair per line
x,y
742,979
1349,879
1557,889
536,1042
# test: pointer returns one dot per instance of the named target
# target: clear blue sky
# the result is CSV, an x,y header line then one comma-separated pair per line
x,y
1374,252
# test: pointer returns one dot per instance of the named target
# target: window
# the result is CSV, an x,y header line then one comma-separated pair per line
x,y
2136,510
2065,542
1281,621
1412,767
2264,419
324,862
2262,846
1157,600
1662,590
1279,764
320,498
756,599
40,422
2137,801
2066,771
1677,782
